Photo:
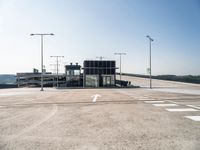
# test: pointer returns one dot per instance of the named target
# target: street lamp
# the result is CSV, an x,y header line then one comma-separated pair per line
x,y
42,70
120,54
100,57
150,40
57,65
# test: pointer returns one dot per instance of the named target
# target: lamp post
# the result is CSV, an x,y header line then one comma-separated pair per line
x,y
120,54
100,57
42,70
57,65
150,40
54,68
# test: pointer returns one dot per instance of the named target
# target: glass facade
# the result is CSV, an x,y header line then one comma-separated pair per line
x,y
92,80
99,73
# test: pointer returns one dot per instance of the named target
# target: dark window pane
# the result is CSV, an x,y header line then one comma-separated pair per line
x,y
87,71
104,64
96,64
89,63
93,71
92,63
86,63
112,71
104,71
100,63
100,71
96,71
112,63
108,71
108,64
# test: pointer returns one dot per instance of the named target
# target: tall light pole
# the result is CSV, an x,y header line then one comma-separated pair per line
x,y
42,70
100,57
120,54
57,65
54,68
150,40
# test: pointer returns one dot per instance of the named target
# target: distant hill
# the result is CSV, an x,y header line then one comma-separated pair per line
x,y
7,79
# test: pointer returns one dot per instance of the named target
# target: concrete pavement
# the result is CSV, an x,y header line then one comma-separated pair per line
x,y
119,119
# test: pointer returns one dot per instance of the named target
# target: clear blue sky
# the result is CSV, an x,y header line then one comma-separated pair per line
x,y
85,29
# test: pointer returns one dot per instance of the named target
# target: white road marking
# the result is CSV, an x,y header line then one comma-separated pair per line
x,y
181,109
154,101
195,118
164,105
13,94
172,102
193,106
146,99
185,105
95,97
51,114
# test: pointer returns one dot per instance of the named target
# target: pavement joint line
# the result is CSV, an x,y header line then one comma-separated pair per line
x,y
181,109
194,118
164,105
149,102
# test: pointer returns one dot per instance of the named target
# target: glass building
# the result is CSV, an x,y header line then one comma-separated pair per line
x,y
99,73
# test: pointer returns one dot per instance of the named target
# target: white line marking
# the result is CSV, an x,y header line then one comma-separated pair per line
x,y
172,102
95,97
181,109
195,118
164,105
51,114
193,106
145,99
154,101
185,105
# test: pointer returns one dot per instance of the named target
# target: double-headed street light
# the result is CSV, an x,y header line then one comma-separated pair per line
x,y
120,54
57,65
100,57
42,70
150,40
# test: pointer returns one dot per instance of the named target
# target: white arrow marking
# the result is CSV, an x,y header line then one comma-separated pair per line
x,y
95,97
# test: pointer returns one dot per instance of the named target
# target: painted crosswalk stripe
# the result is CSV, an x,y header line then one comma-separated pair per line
x,y
181,109
194,118
154,101
164,105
